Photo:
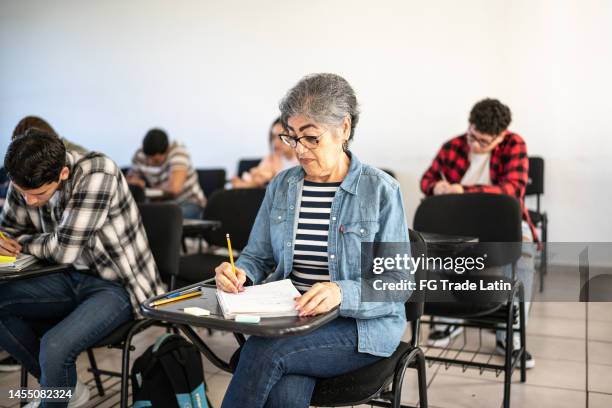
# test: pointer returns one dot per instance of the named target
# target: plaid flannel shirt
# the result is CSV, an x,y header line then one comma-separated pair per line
x,y
509,169
92,219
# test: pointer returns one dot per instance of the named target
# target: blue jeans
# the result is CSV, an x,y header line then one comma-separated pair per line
x,y
86,308
282,372
191,211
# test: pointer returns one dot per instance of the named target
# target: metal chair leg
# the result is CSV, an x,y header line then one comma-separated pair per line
x,y
544,241
509,350
522,332
24,384
125,364
422,379
125,370
96,373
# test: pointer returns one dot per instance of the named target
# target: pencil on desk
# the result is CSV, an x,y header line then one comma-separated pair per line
x,y
174,299
3,236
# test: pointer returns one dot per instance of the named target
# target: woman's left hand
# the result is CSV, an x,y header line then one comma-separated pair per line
x,y
320,298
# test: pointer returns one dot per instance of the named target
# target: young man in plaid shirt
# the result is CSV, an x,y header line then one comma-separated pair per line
x,y
69,208
488,158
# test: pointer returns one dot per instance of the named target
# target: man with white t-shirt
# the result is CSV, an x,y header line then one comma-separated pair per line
x,y
488,158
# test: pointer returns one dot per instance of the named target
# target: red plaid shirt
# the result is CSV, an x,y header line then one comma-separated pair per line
x,y
509,168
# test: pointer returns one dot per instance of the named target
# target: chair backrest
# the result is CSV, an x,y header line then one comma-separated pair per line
x,y
237,210
389,172
163,223
416,304
138,193
535,184
211,180
488,217
3,175
246,165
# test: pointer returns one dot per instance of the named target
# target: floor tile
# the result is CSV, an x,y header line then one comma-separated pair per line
x,y
558,327
464,392
601,331
600,311
600,378
523,395
600,400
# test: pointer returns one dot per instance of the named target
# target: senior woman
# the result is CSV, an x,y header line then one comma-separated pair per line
x,y
309,229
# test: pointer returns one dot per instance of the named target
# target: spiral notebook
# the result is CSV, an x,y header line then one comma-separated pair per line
x,y
274,299
21,262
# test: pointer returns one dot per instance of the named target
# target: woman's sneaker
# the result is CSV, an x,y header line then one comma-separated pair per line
x,y
500,348
442,335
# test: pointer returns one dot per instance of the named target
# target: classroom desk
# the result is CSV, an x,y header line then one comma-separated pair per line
x,y
268,327
193,227
38,269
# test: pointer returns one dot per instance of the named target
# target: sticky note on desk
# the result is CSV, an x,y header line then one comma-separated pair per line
x,y
7,259
247,319
197,311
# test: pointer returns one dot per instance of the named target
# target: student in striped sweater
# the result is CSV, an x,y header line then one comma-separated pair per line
x,y
309,229
167,166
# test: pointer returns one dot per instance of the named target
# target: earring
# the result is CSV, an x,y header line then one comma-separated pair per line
x,y
345,146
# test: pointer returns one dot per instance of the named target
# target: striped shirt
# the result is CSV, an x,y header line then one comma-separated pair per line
x,y
310,264
177,158
91,219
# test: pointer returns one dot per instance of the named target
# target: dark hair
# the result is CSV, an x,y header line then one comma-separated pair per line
x,y
490,116
155,142
33,122
271,134
35,158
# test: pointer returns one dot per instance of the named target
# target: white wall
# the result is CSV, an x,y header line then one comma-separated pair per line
x,y
212,73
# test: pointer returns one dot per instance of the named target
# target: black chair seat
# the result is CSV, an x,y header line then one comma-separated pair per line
x,y
473,304
118,336
501,314
461,309
360,385
197,267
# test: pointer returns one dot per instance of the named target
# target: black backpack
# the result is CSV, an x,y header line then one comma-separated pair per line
x,y
169,374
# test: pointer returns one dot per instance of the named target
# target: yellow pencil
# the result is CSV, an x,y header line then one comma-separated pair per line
x,y
174,299
231,255
3,236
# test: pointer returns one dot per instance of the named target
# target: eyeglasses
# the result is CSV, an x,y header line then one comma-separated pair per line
x,y
482,143
309,142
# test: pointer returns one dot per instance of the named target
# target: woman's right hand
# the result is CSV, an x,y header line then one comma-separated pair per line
x,y
227,281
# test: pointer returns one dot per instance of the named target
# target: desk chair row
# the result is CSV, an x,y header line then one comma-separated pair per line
x,y
163,223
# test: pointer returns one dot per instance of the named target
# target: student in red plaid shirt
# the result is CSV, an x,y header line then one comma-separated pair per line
x,y
488,158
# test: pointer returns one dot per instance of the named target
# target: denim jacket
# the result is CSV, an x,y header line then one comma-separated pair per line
x,y
367,207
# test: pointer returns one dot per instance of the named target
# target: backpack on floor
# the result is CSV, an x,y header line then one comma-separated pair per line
x,y
169,374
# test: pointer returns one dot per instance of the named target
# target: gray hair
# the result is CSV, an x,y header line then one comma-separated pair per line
x,y
324,98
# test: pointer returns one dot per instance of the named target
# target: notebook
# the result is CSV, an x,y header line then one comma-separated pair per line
x,y
154,193
274,299
21,262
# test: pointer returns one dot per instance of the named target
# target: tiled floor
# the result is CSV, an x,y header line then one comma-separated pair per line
x,y
556,338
